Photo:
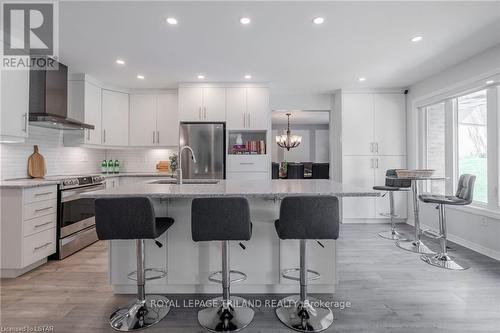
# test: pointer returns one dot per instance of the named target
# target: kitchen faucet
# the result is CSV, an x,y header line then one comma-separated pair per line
x,y
179,171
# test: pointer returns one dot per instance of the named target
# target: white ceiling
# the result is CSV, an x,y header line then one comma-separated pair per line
x,y
281,45
299,117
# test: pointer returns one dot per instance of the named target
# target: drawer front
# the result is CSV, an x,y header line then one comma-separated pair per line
x,y
248,175
39,246
247,163
37,209
42,193
38,224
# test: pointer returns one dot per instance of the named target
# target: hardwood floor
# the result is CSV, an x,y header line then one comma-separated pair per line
x,y
390,290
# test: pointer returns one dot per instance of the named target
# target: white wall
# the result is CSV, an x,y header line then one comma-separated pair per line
x,y
477,230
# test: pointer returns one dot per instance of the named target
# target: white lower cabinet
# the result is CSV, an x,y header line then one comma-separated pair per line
x,y
28,228
365,172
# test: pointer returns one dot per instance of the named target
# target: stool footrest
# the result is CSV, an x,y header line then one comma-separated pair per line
x,y
286,274
213,277
159,274
431,234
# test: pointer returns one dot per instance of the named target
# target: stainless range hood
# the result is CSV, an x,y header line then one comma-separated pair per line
x,y
49,100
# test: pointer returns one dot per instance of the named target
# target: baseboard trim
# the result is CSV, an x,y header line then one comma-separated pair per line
x,y
464,242
10,273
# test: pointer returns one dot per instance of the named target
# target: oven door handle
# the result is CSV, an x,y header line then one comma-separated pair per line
x,y
73,194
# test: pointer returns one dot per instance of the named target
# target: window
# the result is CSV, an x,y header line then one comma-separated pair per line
x,y
472,141
435,115
454,137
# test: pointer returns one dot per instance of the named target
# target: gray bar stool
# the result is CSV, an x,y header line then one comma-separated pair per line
x,y
462,197
392,185
134,218
306,218
223,219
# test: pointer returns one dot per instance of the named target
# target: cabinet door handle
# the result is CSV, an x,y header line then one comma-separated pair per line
x,y
104,135
199,113
41,225
42,246
153,136
244,120
158,137
376,148
42,209
376,165
44,193
371,147
247,163
205,113
26,118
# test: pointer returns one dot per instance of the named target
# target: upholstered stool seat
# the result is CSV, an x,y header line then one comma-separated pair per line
x,y
134,218
223,219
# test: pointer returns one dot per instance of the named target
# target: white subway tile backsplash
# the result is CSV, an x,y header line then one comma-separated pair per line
x,y
61,160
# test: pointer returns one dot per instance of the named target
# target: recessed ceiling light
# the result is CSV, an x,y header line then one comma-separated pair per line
x,y
248,76
140,76
490,82
318,20
171,20
245,20
362,79
201,77
120,62
416,39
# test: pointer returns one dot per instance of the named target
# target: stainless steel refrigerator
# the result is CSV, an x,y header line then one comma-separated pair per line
x,y
208,141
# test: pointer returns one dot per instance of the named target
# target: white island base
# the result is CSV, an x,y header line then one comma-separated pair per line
x,y
188,264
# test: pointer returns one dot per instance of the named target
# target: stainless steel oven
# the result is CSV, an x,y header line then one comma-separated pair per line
x,y
76,220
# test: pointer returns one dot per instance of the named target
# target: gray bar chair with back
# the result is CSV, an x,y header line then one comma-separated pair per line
x,y
223,219
462,197
134,218
306,218
392,185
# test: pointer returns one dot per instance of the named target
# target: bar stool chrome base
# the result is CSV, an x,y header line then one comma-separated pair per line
x,y
414,246
443,260
304,317
393,235
230,318
140,314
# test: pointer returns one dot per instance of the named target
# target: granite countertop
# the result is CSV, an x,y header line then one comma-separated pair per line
x,y
271,189
54,180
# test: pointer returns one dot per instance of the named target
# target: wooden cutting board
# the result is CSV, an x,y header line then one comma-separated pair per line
x,y
36,164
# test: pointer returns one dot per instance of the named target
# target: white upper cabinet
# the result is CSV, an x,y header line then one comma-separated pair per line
x,y
373,124
202,104
357,124
93,113
143,120
190,104
258,112
115,118
236,112
248,108
167,120
153,120
389,124
14,105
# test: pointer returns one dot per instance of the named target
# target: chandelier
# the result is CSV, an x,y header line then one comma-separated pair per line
x,y
286,140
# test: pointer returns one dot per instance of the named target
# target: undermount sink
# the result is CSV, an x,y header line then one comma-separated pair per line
x,y
186,182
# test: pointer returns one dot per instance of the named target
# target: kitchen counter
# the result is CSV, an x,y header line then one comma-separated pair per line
x,y
267,189
188,264
54,180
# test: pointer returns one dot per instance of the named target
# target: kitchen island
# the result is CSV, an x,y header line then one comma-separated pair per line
x,y
188,264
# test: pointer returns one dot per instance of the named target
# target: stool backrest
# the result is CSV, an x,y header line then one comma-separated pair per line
x,y
321,170
465,188
220,219
125,218
309,217
389,181
295,171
